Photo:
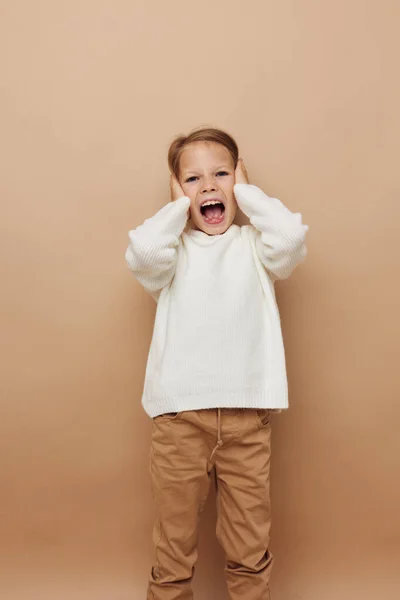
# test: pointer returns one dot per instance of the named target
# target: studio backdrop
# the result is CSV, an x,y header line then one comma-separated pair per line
x,y
92,93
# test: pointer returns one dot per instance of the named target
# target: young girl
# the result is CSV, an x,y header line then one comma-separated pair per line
x,y
216,366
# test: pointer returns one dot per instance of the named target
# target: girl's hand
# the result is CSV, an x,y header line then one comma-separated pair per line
x,y
241,173
176,190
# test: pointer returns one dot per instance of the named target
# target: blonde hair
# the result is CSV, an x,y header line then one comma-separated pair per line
x,y
203,134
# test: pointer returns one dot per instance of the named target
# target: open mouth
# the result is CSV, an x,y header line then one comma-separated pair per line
x,y
213,211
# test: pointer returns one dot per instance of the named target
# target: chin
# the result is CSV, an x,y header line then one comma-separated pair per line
x,y
215,230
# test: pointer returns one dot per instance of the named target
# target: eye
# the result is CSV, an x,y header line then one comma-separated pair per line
x,y
222,173
191,179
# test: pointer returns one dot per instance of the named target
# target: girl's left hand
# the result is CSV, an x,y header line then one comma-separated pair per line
x,y
241,172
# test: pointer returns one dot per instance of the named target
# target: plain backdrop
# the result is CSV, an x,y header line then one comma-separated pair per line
x,y
92,92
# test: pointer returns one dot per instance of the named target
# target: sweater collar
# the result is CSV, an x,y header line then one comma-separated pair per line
x,y
205,239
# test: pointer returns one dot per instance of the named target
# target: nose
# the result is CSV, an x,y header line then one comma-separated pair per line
x,y
208,186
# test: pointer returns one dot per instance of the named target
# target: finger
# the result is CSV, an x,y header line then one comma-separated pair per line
x,y
240,165
241,172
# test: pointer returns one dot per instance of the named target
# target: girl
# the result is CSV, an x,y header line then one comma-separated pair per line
x,y
216,366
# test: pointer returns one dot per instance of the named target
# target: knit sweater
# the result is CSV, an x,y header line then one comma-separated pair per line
x,y
217,340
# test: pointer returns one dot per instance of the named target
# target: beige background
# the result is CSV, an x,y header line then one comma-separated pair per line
x,y
91,94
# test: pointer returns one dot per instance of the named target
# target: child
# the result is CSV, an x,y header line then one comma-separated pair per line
x,y
216,366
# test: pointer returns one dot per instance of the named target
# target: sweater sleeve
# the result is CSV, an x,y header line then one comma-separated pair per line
x,y
152,251
280,234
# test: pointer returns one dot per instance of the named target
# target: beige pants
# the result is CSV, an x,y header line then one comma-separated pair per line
x,y
185,449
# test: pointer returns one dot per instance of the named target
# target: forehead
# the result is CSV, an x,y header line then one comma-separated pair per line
x,y
203,155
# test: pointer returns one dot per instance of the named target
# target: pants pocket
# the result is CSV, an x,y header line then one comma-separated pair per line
x,y
168,416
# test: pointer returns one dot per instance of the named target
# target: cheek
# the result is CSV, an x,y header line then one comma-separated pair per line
x,y
233,210
229,194
232,204
190,190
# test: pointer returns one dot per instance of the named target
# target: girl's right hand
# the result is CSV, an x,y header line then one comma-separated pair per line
x,y
176,190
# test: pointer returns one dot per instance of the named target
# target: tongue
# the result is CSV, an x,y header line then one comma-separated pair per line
x,y
213,212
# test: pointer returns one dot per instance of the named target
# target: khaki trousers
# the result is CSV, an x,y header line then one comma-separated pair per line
x,y
185,449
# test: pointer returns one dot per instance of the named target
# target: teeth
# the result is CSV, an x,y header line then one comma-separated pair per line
x,y
211,202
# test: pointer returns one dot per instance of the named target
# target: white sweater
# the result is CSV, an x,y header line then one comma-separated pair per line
x,y
217,339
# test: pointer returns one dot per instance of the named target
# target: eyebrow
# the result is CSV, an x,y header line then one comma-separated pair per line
x,y
193,172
